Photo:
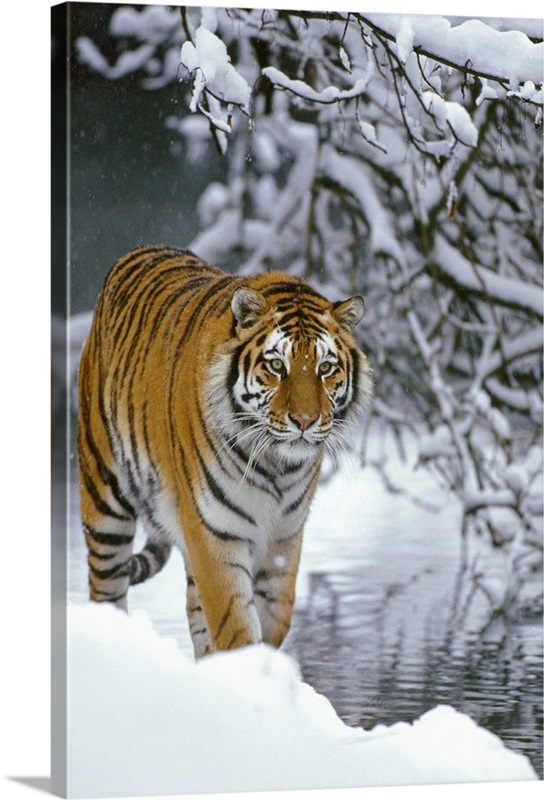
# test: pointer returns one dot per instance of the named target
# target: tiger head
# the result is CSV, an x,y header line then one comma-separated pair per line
x,y
295,376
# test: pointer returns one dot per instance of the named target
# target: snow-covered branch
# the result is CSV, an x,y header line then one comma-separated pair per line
x,y
473,48
456,270
330,94
207,61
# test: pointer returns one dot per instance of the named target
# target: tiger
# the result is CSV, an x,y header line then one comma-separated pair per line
x,y
206,402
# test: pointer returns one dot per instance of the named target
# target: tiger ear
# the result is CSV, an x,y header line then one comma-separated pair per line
x,y
247,305
348,313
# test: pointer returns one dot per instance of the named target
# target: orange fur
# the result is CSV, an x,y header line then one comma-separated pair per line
x,y
205,403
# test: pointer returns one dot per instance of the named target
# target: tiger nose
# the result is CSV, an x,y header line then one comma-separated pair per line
x,y
303,421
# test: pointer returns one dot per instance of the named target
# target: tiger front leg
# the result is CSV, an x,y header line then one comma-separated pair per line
x,y
275,588
198,626
220,596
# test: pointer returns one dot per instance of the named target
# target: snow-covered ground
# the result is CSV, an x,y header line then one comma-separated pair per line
x,y
145,719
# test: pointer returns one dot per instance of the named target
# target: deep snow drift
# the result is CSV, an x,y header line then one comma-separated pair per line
x,y
143,718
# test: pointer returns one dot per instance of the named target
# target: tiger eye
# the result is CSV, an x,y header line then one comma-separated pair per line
x,y
276,364
326,368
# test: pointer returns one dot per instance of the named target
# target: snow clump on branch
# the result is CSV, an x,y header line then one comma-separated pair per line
x,y
447,113
208,61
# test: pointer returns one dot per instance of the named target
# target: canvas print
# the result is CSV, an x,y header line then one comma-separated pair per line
x,y
297,399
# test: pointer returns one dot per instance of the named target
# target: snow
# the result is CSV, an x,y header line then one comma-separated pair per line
x,y
352,175
405,39
477,278
128,62
145,719
448,113
461,124
509,55
144,23
344,58
435,444
331,94
303,143
369,133
528,91
487,93
209,63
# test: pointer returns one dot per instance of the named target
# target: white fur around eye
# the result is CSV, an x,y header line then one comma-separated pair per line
x,y
276,366
326,368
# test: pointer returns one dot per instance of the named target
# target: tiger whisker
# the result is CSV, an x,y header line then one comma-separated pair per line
x,y
229,444
257,450
239,416
337,442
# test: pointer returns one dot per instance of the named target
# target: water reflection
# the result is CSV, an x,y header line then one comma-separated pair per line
x,y
384,653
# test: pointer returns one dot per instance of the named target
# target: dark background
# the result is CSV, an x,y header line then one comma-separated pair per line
x,y
125,182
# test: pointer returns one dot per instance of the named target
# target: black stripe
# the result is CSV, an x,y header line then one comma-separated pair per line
x,y
236,565
268,597
101,556
295,504
100,504
207,297
147,441
268,476
132,431
148,510
290,288
227,614
132,483
270,574
158,551
234,371
110,597
105,574
111,539
354,371
223,535
217,491
140,569
105,473
238,633
285,469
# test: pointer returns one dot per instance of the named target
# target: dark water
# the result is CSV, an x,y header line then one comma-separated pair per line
x,y
384,653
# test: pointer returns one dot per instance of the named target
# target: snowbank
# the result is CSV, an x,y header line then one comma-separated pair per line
x,y
144,719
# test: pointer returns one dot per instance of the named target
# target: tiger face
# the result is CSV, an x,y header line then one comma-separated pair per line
x,y
295,374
